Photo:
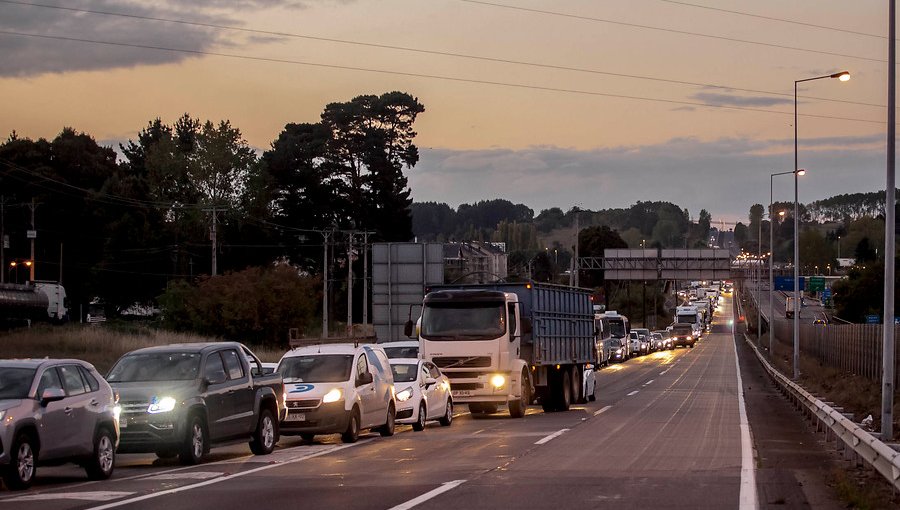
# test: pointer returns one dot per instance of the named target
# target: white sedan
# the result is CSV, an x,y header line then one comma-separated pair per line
x,y
422,393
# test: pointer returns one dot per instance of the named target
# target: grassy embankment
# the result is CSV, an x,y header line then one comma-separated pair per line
x,y
100,345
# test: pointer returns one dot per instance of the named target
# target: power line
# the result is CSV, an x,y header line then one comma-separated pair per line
x,y
772,18
668,30
427,52
429,76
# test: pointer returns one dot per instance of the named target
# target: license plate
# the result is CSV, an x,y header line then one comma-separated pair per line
x,y
461,393
296,417
123,422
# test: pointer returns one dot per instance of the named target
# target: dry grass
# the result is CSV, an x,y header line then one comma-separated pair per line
x,y
99,345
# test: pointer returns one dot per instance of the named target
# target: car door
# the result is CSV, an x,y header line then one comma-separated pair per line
x,y
97,403
217,406
430,391
54,421
239,394
367,401
77,407
382,385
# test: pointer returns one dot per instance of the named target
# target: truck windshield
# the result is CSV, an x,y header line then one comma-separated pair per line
x,y
15,382
687,319
405,372
156,366
463,321
617,328
317,368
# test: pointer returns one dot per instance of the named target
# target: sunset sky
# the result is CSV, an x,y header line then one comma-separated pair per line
x,y
595,103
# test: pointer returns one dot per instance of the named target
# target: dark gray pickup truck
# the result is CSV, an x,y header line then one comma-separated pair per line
x,y
180,399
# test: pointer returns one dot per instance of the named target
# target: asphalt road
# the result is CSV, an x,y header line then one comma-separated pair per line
x,y
665,432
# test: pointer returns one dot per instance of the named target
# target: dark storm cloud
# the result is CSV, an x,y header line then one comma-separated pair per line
x,y
38,53
720,99
724,176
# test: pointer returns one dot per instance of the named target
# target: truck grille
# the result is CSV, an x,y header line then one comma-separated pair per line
x,y
466,386
464,375
462,361
299,404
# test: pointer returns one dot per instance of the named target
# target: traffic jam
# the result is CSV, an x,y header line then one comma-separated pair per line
x,y
490,348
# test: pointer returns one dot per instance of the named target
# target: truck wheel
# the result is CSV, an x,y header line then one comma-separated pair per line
x,y
195,442
420,419
517,407
100,466
351,435
266,435
387,429
565,394
447,419
19,474
578,386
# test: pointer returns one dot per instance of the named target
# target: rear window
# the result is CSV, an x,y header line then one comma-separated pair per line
x,y
402,352
404,372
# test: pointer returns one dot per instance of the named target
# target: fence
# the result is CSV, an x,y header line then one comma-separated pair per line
x,y
855,348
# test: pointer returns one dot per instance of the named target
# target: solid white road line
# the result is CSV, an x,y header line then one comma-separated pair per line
x,y
552,436
747,497
80,496
222,479
193,475
635,392
601,411
446,486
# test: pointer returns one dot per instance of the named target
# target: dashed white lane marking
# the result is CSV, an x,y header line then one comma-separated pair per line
x,y
552,436
635,392
664,372
446,486
79,496
194,475
649,382
223,478
478,432
601,411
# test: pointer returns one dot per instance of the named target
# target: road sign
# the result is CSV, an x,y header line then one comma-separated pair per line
x,y
31,234
816,283
873,319
787,283
826,293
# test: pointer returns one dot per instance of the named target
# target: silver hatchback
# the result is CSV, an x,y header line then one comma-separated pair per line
x,y
55,411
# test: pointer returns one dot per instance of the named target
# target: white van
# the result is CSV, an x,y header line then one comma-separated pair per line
x,y
338,388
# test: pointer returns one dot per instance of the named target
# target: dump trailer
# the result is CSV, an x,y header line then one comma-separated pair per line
x,y
40,301
509,343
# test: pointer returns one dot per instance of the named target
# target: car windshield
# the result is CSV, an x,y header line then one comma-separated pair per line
x,y
615,342
156,366
402,352
316,368
405,372
15,382
464,321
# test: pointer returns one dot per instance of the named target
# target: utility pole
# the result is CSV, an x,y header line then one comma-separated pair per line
x,y
2,239
212,236
350,283
573,277
325,236
890,247
32,235
366,277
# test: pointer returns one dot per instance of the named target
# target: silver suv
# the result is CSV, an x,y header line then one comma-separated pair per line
x,y
54,411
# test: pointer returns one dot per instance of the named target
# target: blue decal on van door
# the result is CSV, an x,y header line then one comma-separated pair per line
x,y
301,388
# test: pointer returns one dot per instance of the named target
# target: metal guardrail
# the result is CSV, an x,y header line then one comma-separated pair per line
x,y
867,447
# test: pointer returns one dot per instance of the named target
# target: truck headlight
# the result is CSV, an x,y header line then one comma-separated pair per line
x,y
332,396
498,381
163,405
405,395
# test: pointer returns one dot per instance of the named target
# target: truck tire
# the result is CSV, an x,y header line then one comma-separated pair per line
x,y
195,443
266,434
578,396
19,474
103,460
565,395
517,407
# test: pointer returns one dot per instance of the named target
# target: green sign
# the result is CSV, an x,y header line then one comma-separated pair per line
x,y
816,284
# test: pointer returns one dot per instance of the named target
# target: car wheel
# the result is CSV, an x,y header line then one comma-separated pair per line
x,y
194,445
351,435
20,472
388,429
266,435
102,462
420,419
447,419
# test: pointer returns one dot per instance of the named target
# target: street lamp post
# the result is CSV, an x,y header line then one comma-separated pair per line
x,y
772,253
843,76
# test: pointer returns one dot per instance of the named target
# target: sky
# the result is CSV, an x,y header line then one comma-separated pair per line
x,y
587,103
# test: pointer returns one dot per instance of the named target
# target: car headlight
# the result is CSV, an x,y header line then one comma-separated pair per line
x,y
498,381
405,395
163,405
332,396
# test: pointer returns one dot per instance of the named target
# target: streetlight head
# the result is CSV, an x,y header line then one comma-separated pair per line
x,y
843,75
28,263
781,213
801,172
12,264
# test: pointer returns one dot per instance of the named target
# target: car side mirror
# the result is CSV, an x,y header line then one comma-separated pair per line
x,y
408,329
52,395
430,381
365,378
